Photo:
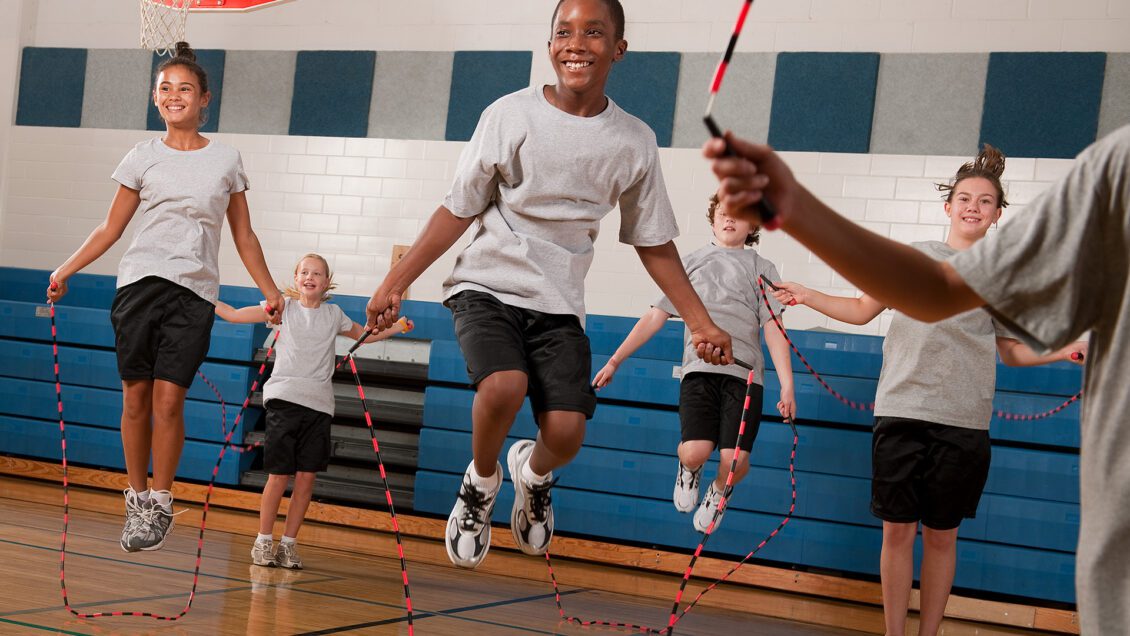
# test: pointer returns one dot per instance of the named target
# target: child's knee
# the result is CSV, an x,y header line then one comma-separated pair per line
x,y
695,453
562,433
504,389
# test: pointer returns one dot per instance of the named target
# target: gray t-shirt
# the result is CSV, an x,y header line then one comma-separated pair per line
x,y
540,180
943,372
184,199
1057,270
726,281
304,359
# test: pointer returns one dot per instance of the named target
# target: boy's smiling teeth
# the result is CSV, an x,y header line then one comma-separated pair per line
x,y
573,65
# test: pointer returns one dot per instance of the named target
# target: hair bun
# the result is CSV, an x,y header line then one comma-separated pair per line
x,y
183,50
990,160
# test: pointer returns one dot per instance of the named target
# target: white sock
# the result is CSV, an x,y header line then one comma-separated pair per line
x,y
264,538
142,495
489,482
530,477
288,540
164,498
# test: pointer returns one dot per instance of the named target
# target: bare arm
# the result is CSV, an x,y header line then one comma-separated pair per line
x,y
1017,354
896,275
404,325
122,209
247,315
781,354
646,327
441,232
855,311
250,251
663,264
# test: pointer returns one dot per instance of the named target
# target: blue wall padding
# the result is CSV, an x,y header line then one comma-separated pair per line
x,y
52,81
332,92
824,102
645,85
212,60
478,78
102,447
103,408
606,333
1042,104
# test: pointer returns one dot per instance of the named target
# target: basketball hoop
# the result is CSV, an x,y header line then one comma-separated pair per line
x,y
162,24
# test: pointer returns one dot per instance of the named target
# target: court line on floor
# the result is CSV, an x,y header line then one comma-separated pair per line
x,y
449,613
45,628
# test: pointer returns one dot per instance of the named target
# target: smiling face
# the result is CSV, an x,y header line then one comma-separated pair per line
x,y
586,40
178,97
311,279
973,207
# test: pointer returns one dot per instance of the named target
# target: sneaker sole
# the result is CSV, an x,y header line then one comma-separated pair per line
x,y
512,464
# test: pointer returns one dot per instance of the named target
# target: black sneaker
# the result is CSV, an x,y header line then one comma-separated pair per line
x,y
468,526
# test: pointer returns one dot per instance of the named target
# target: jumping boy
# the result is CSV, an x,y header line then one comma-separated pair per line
x,y
544,165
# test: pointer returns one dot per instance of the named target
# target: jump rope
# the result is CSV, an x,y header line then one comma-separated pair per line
x,y
212,481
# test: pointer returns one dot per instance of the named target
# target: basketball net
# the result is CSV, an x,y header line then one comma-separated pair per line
x,y
162,24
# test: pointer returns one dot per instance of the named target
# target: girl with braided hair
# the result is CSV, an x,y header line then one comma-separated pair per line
x,y
930,443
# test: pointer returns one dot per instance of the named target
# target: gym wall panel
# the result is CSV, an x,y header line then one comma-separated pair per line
x,y
645,85
332,92
478,78
52,81
824,101
1042,104
411,91
116,94
259,89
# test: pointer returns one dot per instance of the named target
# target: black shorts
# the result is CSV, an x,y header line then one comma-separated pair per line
x,y
551,349
922,471
161,331
710,408
298,439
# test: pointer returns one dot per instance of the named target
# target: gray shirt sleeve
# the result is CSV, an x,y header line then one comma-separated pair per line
x,y
477,172
129,171
646,216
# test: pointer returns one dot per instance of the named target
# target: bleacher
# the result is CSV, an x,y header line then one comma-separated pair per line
x,y
618,489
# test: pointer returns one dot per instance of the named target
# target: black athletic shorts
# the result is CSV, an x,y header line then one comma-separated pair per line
x,y
551,349
922,471
710,408
298,439
161,331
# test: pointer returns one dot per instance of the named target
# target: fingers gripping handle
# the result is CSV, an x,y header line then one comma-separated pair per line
x,y
763,207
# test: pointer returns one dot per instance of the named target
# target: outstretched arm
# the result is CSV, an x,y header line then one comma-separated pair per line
x,y
855,311
645,328
122,209
896,275
403,325
663,264
1017,354
248,315
780,352
251,252
441,232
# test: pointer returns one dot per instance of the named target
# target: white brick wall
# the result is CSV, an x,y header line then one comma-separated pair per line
x,y
59,189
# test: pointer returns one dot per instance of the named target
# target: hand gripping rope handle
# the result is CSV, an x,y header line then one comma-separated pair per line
x,y
211,485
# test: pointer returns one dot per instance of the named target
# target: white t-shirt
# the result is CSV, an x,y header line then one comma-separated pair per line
x,y
1057,270
304,358
539,180
184,199
726,281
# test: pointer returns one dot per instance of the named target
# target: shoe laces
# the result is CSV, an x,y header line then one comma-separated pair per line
x,y
150,514
688,477
540,499
474,504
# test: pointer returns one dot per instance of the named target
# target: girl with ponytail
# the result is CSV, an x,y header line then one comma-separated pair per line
x,y
930,443
184,185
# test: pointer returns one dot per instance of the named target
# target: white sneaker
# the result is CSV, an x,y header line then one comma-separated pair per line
x,y
287,556
705,513
531,519
133,520
467,537
686,488
263,553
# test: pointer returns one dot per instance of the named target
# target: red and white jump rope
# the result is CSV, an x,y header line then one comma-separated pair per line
x,y
212,481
